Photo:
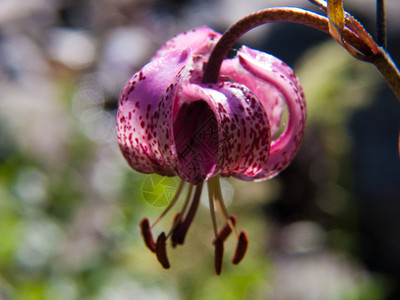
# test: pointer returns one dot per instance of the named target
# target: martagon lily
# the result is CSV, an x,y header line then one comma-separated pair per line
x,y
191,112
171,123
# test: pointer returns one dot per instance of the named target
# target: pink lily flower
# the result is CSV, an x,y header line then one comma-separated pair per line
x,y
170,123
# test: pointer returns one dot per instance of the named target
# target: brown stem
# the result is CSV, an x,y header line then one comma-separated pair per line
x,y
288,14
354,34
384,63
352,24
381,23
179,234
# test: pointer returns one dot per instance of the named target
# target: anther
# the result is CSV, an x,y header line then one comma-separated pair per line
x,y
226,230
179,234
161,251
176,221
241,248
147,235
219,253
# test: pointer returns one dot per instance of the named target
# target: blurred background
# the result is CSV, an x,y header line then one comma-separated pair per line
x,y
328,227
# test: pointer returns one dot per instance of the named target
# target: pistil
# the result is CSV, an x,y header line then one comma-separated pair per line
x,y
178,236
178,216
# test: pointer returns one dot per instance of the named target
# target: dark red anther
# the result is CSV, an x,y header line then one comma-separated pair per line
x,y
175,223
178,235
146,233
161,251
219,254
226,230
175,218
241,248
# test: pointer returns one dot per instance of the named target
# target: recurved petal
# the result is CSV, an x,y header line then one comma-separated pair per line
x,y
145,115
198,41
195,131
240,135
271,98
281,77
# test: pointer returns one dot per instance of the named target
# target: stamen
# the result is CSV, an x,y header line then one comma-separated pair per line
x,y
179,233
219,253
178,217
161,251
212,211
225,231
147,235
222,210
174,200
241,248
187,200
175,221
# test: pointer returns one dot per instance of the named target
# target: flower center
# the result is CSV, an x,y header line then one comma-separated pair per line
x,y
196,138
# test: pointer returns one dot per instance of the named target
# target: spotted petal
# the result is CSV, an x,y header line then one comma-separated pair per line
x,y
266,92
239,128
199,42
145,113
271,80
171,124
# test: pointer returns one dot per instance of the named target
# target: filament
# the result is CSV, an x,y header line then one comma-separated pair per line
x,y
212,211
178,218
219,202
174,200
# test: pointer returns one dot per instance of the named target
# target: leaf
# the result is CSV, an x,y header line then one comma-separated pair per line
x,y
336,19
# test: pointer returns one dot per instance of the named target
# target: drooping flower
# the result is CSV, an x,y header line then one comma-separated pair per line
x,y
172,124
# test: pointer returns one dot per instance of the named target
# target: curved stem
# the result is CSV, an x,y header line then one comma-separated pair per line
x,y
352,24
288,14
384,63
354,34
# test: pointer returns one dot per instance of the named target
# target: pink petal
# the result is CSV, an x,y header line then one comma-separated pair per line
x,y
168,123
266,92
145,115
242,140
199,41
196,138
150,127
281,77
